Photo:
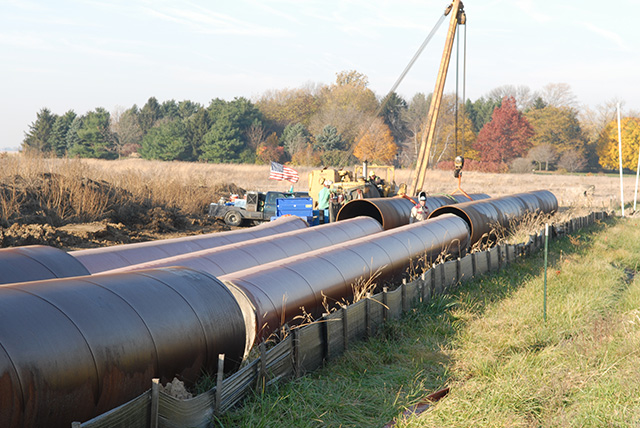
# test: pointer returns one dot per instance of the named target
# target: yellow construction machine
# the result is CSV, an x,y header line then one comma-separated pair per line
x,y
366,181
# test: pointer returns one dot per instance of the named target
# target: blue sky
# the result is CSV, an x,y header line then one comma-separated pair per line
x,y
85,54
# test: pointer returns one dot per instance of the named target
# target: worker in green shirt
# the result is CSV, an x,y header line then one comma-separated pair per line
x,y
323,199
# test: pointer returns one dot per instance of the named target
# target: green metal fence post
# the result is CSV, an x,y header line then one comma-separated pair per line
x,y
546,250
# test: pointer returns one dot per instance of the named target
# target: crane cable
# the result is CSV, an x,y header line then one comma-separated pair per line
x,y
347,155
455,132
464,87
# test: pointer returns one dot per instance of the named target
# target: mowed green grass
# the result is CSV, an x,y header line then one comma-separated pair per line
x,y
488,342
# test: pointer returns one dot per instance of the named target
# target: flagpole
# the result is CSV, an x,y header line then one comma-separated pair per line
x,y
635,193
620,158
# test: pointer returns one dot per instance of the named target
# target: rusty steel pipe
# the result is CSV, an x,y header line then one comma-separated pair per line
x,y
484,216
233,257
37,262
277,291
394,212
73,348
389,212
110,258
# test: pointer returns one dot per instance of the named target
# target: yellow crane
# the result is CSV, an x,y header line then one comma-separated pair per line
x,y
458,17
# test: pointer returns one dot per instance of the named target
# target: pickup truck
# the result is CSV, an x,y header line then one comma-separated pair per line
x,y
256,208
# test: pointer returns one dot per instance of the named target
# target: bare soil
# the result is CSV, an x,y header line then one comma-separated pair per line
x,y
36,220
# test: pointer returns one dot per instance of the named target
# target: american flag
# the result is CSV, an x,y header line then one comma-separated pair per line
x,y
281,172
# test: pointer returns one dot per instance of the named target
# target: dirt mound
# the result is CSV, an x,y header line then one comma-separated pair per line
x,y
226,190
69,236
58,200
56,210
36,234
98,232
176,389
166,220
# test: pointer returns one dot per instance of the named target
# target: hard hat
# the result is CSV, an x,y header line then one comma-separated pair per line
x,y
328,182
423,198
372,173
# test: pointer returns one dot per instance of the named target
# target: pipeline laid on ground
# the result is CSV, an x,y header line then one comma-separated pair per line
x,y
110,258
277,291
234,257
484,216
395,212
73,348
37,262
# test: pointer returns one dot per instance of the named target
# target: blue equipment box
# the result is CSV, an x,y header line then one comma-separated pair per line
x,y
301,207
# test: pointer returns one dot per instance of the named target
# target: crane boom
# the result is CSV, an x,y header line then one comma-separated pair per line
x,y
458,17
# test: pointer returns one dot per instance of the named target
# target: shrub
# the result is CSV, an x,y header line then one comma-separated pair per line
x,y
520,166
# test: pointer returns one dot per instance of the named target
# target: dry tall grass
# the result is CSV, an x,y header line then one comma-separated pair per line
x,y
69,184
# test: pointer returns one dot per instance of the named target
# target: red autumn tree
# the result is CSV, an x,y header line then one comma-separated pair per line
x,y
270,150
507,136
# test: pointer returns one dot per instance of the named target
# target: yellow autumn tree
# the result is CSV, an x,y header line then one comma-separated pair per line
x,y
345,104
608,143
287,106
377,144
444,146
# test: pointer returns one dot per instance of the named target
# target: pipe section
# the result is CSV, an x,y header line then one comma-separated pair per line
x,y
234,257
394,212
277,291
109,258
389,212
37,262
484,216
73,348
462,198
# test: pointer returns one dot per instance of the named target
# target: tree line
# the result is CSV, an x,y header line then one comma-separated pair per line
x,y
510,128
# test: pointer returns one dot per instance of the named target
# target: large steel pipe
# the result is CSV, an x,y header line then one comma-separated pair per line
x,y
37,262
472,197
389,212
484,216
109,258
548,201
277,291
395,212
73,348
234,257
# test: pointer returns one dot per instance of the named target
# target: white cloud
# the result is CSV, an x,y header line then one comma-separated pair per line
x,y
275,11
607,35
22,40
91,48
528,7
206,21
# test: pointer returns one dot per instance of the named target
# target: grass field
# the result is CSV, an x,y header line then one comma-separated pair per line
x,y
192,186
488,342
